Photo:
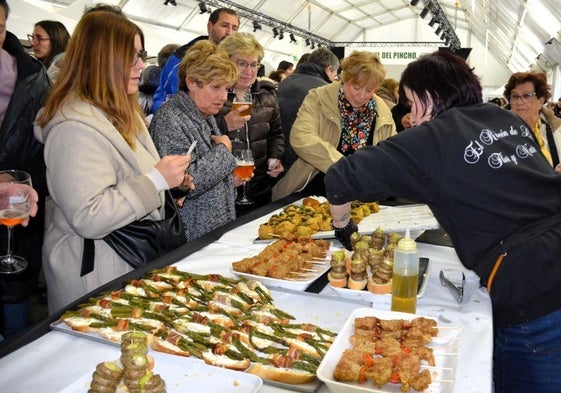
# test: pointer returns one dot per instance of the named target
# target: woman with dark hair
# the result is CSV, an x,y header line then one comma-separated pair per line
x,y
527,93
92,119
481,173
48,40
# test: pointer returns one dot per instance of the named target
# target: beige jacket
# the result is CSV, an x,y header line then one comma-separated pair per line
x,y
316,133
97,184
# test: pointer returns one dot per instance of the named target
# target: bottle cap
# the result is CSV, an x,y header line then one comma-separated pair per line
x,y
407,244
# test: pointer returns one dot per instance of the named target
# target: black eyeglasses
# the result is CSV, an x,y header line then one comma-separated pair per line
x,y
140,55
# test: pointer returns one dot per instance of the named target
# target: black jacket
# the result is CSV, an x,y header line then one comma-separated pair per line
x,y
20,150
481,173
265,135
291,93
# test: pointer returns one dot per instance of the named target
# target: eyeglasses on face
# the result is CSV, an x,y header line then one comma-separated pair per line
x,y
35,38
140,55
244,64
524,98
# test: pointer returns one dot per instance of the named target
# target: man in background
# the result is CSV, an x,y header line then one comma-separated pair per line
x,y
221,23
319,69
22,92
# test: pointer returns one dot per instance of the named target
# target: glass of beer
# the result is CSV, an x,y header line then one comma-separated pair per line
x,y
240,100
244,170
15,202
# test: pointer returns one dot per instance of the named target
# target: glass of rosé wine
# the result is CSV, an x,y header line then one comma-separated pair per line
x,y
244,171
15,201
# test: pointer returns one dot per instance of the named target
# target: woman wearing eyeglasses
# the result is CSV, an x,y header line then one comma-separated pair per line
x,y
527,94
49,39
103,169
265,134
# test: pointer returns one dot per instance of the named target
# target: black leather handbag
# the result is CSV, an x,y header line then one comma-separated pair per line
x,y
141,241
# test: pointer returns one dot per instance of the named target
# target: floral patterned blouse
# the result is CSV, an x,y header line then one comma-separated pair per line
x,y
356,124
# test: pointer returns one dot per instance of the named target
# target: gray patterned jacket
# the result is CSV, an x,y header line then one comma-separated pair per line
x,y
174,128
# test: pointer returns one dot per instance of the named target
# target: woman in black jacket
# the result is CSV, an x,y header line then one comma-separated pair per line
x,y
20,150
266,137
481,172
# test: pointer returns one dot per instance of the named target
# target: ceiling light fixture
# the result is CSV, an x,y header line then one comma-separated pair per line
x,y
313,46
203,7
281,35
307,41
438,30
275,32
292,38
424,12
256,26
172,2
414,2
433,21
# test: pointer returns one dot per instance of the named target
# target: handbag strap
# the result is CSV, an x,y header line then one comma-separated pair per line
x,y
515,239
552,146
88,257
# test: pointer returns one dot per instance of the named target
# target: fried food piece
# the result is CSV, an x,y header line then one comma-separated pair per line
x,y
381,371
347,369
421,381
303,231
368,323
363,343
310,202
284,226
266,232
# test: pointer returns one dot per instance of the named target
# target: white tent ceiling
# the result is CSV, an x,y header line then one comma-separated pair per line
x,y
505,35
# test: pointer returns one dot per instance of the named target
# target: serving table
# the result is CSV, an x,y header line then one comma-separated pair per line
x,y
43,360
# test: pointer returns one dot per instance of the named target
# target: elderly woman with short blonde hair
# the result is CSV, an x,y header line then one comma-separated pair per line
x,y
335,121
205,76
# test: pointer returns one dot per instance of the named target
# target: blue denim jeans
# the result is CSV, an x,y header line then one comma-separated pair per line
x,y
527,357
16,317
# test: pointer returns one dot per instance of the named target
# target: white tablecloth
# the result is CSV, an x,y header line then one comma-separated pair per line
x,y
56,360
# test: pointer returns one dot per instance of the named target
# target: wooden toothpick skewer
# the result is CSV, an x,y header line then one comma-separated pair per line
x,y
310,270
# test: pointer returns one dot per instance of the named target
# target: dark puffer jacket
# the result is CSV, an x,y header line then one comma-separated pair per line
x,y
20,150
291,92
265,136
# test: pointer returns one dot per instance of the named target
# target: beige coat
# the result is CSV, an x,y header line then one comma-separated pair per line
x,y
97,184
316,133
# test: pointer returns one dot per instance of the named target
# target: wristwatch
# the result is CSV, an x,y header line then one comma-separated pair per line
x,y
344,234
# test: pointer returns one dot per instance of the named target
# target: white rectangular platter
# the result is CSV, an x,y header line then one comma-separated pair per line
x,y
393,219
185,374
296,284
445,347
326,311
390,219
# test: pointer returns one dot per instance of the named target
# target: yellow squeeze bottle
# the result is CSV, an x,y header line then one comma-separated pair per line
x,y
405,275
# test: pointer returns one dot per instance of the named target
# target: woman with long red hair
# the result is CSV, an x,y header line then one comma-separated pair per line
x,y
103,170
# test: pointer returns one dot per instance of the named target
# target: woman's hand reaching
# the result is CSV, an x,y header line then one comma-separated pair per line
x,y
173,170
275,167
